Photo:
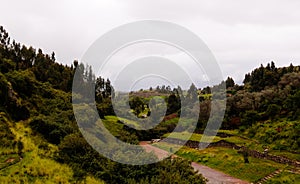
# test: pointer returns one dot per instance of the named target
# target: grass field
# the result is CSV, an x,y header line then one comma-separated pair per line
x,y
186,136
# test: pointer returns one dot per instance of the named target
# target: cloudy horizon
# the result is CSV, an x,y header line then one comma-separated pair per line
x,y
241,35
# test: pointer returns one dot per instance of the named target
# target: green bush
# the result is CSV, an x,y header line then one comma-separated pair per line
x,y
52,130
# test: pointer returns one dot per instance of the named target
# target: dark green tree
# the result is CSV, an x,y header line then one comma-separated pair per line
x,y
229,82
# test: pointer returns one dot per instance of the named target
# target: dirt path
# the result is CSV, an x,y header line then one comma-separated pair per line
x,y
160,153
213,176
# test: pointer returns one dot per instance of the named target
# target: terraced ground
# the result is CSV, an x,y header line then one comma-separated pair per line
x,y
231,162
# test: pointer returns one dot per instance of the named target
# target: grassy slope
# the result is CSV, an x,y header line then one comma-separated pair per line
x,y
279,135
37,165
115,119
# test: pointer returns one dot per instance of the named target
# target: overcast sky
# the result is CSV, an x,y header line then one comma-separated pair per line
x,y
241,34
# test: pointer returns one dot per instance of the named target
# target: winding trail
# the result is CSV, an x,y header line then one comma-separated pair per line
x,y
213,176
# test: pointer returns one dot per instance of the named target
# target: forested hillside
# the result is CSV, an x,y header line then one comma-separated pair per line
x,y
41,141
267,106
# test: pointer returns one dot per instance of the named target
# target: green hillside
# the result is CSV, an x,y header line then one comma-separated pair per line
x,y
41,142
40,139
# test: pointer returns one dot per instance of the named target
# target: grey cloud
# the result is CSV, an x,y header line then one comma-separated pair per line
x,y
272,12
241,34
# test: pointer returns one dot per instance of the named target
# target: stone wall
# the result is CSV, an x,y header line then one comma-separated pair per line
x,y
223,143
